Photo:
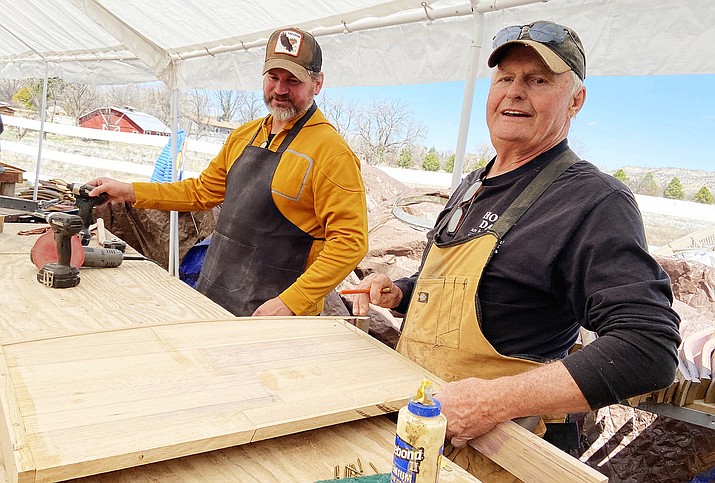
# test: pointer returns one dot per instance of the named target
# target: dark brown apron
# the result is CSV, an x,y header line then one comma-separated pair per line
x,y
255,252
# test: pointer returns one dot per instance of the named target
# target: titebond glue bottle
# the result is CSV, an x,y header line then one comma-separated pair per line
x,y
419,440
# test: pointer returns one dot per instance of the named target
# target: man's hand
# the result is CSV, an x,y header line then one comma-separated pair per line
x,y
467,404
474,406
274,306
390,298
116,190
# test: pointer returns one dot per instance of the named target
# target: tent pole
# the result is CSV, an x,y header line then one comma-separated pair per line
x,y
475,49
174,215
43,115
468,100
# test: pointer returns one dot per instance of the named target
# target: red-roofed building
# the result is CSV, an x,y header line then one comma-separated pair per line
x,y
125,119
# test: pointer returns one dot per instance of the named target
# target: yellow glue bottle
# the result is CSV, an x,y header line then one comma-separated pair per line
x,y
419,441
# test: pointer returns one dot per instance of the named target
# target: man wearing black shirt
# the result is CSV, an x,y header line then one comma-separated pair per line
x,y
527,250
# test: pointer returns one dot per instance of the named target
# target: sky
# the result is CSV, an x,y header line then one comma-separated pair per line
x,y
647,121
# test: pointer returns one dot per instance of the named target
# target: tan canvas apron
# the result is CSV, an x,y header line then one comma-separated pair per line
x,y
441,330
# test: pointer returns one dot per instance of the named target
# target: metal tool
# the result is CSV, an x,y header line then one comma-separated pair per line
x,y
85,204
115,242
25,206
102,257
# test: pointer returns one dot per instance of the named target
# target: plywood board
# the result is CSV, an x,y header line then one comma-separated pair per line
x,y
86,404
135,293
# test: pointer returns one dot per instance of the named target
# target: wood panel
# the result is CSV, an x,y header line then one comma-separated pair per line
x,y
105,401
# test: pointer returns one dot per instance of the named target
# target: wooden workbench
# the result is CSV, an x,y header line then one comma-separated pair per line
x,y
141,294
137,292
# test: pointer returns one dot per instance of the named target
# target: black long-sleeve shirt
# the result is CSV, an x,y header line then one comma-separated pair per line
x,y
578,256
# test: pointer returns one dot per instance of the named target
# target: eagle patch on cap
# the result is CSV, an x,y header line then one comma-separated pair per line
x,y
289,42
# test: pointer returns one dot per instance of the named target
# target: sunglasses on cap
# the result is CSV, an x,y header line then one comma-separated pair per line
x,y
541,31
457,217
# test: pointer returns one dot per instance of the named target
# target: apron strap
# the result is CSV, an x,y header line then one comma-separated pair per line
x,y
532,192
296,127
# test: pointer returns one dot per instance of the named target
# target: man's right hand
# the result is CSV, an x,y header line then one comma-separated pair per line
x,y
383,293
116,190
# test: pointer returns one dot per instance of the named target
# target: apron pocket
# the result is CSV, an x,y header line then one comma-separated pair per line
x,y
228,262
437,307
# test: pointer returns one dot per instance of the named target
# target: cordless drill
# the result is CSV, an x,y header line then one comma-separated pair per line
x,y
61,274
85,204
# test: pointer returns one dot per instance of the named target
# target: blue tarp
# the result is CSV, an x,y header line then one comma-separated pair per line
x,y
707,477
190,266
163,168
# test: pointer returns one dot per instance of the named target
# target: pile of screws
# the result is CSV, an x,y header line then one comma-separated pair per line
x,y
352,471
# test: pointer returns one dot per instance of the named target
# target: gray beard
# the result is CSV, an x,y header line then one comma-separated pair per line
x,y
285,114
282,114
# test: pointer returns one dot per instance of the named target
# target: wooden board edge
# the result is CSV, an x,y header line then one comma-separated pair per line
x,y
174,322
702,406
144,457
17,457
530,458
286,428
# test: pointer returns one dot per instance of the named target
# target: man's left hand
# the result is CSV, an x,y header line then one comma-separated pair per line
x,y
274,306
468,406
474,406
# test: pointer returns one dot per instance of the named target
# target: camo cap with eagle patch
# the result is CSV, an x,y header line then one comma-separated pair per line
x,y
294,50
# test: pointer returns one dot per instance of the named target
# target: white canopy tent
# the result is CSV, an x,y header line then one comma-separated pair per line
x,y
219,44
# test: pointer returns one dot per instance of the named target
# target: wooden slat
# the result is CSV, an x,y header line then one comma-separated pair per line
x,y
532,459
17,457
700,405
303,457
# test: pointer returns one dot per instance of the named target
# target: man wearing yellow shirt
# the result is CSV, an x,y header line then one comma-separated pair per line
x,y
294,220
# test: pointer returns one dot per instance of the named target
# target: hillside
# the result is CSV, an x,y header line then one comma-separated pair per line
x,y
691,179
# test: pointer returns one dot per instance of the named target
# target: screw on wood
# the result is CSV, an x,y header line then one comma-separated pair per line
x,y
373,467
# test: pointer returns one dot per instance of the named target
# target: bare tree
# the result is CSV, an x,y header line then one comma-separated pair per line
x,y
198,109
8,88
152,99
384,127
228,104
157,102
479,158
78,99
340,113
250,106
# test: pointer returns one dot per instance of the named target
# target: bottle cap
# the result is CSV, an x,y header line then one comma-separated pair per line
x,y
424,410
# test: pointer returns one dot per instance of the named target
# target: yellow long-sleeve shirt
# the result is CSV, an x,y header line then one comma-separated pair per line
x,y
317,186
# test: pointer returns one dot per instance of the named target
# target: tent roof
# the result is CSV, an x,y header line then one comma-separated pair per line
x,y
219,44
